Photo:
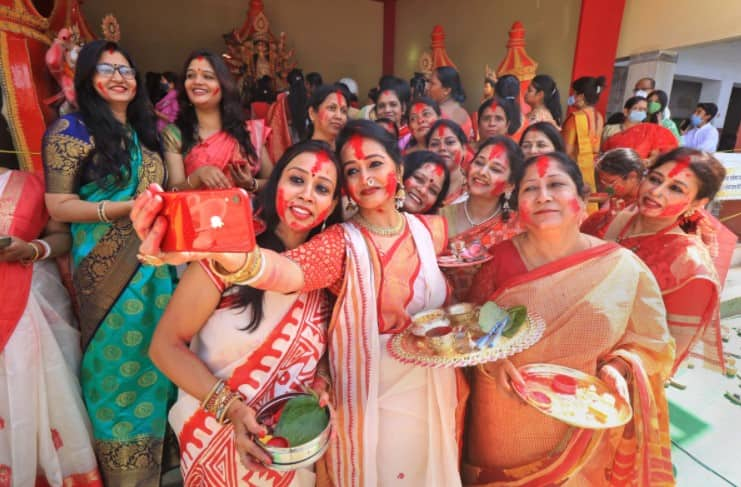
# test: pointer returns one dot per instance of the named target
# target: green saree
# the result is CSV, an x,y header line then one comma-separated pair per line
x,y
120,304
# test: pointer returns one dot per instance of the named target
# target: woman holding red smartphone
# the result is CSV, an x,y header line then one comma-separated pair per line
x,y
237,327
211,145
393,421
97,160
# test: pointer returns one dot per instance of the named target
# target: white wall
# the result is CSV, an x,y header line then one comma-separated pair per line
x,y
716,66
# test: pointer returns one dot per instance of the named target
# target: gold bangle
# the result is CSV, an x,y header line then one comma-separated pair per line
x,y
221,418
252,268
187,181
217,386
34,257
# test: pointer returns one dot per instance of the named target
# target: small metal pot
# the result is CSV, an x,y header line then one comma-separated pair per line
x,y
299,456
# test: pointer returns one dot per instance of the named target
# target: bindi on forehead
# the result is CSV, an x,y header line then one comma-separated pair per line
x,y
496,151
542,164
356,143
680,166
320,159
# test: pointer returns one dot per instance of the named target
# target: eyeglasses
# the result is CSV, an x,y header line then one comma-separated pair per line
x,y
107,70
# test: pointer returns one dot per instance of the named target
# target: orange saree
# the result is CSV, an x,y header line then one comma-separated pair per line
x,y
589,320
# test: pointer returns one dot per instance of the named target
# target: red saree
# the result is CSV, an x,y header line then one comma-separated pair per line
x,y
643,138
680,263
22,215
569,294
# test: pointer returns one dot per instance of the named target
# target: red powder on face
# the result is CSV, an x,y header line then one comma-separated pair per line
x,y
320,159
496,151
111,50
101,87
280,204
439,171
680,166
493,105
575,206
441,130
356,142
340,97
418,108
322,215
200,58
542,163
524,213
391,184
674,210
498,188
216,90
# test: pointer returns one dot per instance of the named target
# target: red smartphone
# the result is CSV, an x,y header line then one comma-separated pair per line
x,y
208,221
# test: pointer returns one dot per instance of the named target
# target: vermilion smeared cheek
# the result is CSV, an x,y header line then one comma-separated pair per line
x,y
674,210
575,206
216,91
101,86
280,204
391,184
524,212
498,188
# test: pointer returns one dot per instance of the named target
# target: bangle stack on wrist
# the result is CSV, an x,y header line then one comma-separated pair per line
x,y
247,274
36,255
45,246
219,400
102,216
253,187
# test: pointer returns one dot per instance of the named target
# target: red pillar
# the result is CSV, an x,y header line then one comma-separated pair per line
x,y
597,41
389,35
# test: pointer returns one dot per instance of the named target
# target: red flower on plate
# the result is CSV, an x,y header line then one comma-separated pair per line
x,y
57,439
5,476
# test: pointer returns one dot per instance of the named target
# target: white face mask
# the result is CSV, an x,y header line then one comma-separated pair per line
x,y
640,93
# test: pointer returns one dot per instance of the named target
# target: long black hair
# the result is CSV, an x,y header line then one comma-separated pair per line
x,y
113,140
252,297
370,130
567,164
515,159
450,78
547,129
417,159
320,94
551,96
511,109
297,99
230,106
663,100
590,87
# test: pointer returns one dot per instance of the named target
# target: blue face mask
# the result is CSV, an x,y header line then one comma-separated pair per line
x,y
695,120
637,116
571,100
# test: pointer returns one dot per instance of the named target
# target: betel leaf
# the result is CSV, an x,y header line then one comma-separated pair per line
x,y
302,420
489,315
517,316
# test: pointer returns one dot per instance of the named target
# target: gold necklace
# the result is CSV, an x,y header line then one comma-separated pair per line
x,y
381,231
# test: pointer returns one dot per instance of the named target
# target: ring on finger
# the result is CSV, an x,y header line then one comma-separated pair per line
x,y
152,260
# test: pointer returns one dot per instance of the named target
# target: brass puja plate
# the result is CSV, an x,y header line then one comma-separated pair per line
x,y
450,261
591,406
411,349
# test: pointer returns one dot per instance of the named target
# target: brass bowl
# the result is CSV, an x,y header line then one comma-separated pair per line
x,y
293,457
464,315
441,339
424,321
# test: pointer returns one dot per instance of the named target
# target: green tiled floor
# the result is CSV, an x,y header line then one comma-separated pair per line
x,y
706,424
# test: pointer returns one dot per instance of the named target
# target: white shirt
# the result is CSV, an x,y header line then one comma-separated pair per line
x,y
702,138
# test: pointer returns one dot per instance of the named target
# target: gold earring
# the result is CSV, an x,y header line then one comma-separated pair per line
x,y
400,196
351,206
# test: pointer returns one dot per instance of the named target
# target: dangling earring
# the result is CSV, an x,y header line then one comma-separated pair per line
x,y
505,207
350,207
400,196
324,225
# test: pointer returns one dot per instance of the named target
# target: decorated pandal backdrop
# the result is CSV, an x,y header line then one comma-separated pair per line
x,y
264,41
